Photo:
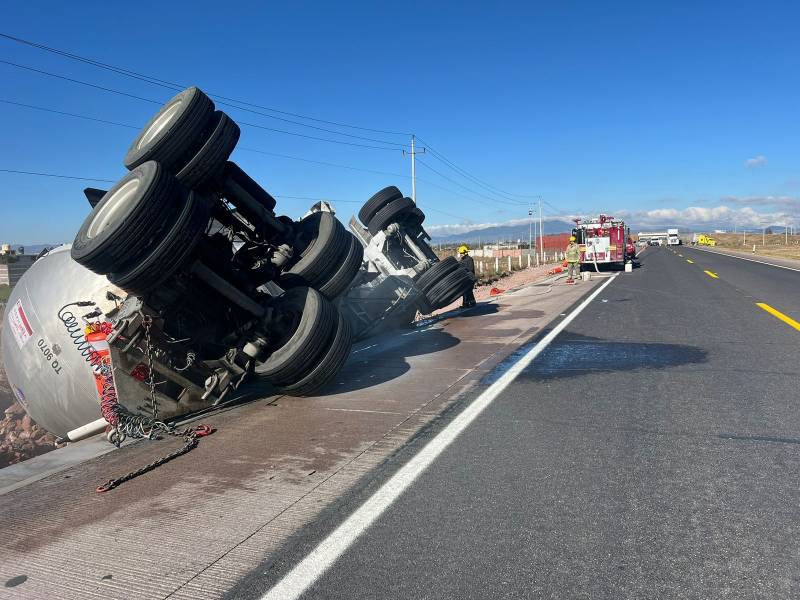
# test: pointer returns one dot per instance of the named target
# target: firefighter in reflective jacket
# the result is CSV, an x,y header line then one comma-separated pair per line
x,y
573,256
469,265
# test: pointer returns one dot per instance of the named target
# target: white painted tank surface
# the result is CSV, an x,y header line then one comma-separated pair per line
x,y
46,369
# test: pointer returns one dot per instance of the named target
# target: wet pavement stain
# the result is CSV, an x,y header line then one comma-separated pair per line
x,y
15,581
576,356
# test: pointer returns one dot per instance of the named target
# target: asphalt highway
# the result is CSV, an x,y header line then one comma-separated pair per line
x,y
651,450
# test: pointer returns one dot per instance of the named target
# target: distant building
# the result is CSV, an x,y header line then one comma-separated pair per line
x,y
13,265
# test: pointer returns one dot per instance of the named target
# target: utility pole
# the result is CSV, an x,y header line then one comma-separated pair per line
x,y
413,154
541,230
530,230
763,235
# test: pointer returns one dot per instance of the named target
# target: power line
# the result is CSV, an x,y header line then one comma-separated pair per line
x,y
86,83
158,102
321,162
314,137
247,149
68,114
373,171
440,174
463,172
468,176
56,175
244,104
59,176
350,135
460,217
171,85
267,153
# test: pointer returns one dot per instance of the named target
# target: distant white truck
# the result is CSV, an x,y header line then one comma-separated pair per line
x,y
672,237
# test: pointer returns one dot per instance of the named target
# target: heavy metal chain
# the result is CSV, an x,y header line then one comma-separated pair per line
x,y
147,323
190,436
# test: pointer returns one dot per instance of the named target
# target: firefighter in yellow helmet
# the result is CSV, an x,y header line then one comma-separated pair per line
x,y
573,256
469,265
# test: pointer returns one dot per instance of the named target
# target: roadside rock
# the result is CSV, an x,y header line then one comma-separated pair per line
x,y
14,410
21,438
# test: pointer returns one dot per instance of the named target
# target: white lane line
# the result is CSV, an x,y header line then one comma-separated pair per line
x,y
361,410
311,568
761,262
364,348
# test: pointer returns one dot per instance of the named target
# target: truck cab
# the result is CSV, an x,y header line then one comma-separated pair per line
x,y
673,239
602,240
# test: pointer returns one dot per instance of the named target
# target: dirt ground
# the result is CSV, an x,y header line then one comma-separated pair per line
x,y
774,244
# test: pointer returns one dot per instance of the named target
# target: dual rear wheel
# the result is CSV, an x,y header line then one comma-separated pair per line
x,y
311,342
443,282
143,229
389,206
189,138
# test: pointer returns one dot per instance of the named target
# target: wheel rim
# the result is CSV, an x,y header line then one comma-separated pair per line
x,y
157,126
109,211
286,322
309,232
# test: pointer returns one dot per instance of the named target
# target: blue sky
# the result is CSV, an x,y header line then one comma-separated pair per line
x,y
636,108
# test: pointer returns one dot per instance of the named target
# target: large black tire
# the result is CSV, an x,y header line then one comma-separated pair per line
x,y
450,288
205,166
129,219
302,346
175,133
330,365
377,202
390,213
340,280
414,217
234,175
171,253
323,242
435,273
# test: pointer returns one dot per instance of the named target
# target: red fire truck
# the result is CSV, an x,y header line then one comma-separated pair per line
x,y
603,240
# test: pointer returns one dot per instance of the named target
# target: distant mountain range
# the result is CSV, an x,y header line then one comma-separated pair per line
x,y
501,233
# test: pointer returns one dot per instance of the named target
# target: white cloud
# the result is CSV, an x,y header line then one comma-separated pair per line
x,y
756,161
693,217
696,216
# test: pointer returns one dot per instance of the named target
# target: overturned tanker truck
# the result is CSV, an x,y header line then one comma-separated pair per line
x,y
183,282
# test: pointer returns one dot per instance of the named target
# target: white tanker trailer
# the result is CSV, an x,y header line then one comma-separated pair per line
x,y
45,367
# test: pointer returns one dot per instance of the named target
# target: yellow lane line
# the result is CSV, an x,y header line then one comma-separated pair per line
x,y
691,262
710,274
779,315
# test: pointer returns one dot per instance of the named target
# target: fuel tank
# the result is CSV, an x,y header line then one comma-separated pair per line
x,y
42,338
